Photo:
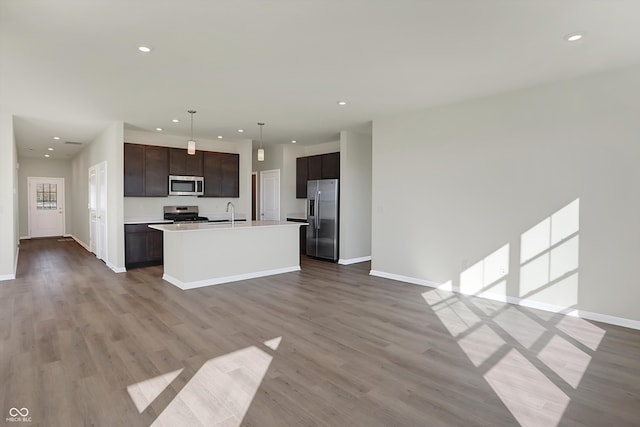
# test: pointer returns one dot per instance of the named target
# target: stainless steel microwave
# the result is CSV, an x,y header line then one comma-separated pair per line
x,y
186,185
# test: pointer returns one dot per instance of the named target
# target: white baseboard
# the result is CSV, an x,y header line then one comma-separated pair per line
x,y
116,269
80,242
588,315
4,277
86,247
25,237
354,260
412,280
227,279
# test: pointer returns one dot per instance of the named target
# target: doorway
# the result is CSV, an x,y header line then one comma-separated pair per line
x,y
98,210
46,213
270,195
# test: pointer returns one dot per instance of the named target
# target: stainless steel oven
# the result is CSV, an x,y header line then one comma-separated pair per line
x,y
186,185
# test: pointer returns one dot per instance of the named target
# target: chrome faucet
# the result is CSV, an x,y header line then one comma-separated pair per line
x,y
233,211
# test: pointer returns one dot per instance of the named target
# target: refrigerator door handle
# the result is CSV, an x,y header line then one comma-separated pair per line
x,y
318,215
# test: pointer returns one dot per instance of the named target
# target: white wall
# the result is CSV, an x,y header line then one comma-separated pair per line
x,y
355,196
9,239
108,146
151,207
50,168
453,185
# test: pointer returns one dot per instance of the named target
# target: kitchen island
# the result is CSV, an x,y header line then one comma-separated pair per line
x,y
204,254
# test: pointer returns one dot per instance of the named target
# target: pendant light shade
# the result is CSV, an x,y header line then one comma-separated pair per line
x,y
261,150
191,144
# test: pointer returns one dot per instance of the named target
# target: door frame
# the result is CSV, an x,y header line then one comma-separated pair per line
x,y
64,202
262,193
254,195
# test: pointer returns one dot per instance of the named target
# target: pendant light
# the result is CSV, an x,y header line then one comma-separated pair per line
x,y
191,144
261,150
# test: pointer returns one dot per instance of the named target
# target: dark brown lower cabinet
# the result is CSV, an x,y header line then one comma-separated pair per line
x,y
303,235
142,246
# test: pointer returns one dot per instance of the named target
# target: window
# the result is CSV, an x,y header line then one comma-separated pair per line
x,y
47,196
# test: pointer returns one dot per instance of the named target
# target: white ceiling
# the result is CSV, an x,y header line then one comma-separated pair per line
x,y
70,67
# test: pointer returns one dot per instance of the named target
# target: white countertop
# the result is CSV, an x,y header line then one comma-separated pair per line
x,y
212,226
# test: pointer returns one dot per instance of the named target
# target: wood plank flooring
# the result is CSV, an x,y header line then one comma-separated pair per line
x,y
83,346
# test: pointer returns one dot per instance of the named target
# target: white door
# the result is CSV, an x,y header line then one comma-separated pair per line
x,y
270,195
46,206
93,213
98,210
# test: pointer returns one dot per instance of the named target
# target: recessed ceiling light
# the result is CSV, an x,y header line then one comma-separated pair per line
x,y
56,138
293,141
240,130
50,149
219,136
46,155
159,129
342,102
144,49
175,120
573,37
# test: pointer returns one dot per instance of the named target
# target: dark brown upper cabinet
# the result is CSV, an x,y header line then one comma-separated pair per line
x,y
221,174
331,166
133,170
156,171
314,167
322,166
146,170
301,177
181,163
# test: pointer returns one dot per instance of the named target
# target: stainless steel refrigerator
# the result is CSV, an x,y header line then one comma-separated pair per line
x,y
322,216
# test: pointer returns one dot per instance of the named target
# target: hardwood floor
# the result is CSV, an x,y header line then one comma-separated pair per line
x,y
83,346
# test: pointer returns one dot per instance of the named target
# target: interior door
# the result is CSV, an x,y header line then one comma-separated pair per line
x,y
93,210
46,207
270,195
102,211
98,210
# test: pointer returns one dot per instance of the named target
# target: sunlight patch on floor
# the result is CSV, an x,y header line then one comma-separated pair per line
x,y
531,397
145,392
219,394
582,331
273,343
573,363
530,359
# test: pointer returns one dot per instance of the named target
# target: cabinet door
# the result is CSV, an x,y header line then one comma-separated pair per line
x,y
331,166
230,175
182,163
194,164
314,167
177,161
221,173
135,244
212,172
133,170
154,245
301,177
156,171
